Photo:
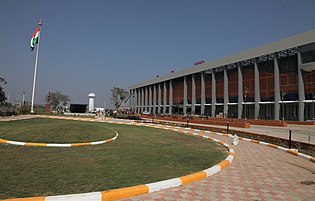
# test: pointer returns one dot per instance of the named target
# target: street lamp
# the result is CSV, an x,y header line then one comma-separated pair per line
x,y
23,99
245,95
282,97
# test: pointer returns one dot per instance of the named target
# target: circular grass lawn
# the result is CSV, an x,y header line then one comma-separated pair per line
x,y
140,155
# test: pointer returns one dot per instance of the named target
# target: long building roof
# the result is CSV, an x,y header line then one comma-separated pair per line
x,y
291,42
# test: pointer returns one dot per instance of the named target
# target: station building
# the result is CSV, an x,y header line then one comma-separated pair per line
x,y
273,81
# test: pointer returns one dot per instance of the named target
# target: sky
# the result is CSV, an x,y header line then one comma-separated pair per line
x,y
95,45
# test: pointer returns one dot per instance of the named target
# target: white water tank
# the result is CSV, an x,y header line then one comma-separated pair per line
x,y
91,101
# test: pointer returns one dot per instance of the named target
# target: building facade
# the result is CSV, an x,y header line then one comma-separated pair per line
x,y
274,81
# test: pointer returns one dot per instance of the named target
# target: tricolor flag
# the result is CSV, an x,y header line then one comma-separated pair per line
x,y
35,38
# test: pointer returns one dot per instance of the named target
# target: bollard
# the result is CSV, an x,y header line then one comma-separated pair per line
x,y
290,134
227,127
187,123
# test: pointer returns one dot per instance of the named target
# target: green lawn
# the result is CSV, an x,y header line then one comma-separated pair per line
x,y
140,155
54,131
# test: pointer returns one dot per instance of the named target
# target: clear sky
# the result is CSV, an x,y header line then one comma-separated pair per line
x,y
92,46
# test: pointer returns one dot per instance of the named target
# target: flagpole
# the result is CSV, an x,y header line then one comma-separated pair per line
x,y
35,71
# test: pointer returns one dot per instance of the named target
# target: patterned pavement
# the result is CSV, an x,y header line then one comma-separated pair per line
x,y
257,173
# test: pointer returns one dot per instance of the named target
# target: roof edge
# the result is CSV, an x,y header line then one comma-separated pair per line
x,y
290,42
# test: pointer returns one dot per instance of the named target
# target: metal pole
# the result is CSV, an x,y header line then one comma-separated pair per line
x,y
35,71
290,135
313,107
23,101
227,127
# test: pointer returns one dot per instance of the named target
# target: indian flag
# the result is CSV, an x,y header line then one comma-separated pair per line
x,y
35,38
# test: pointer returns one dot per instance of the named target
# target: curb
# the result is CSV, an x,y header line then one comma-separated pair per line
x,y
37,144
144,188
290,151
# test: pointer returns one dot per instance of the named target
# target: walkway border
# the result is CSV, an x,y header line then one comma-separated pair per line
x,y
290,151
38,144
144,188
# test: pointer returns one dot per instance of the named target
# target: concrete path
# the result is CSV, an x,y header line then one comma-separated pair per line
x,y
17,117
257,173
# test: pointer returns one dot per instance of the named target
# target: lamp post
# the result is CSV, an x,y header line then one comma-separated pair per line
x,y
23,99
282,97
245,95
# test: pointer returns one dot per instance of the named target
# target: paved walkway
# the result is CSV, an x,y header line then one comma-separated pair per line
x,y
17,117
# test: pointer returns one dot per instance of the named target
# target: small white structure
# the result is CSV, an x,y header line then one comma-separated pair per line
x,y
91,101
235,139
99,109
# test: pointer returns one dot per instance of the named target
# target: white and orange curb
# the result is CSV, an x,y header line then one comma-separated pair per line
x,y
290,151
37,144
144,188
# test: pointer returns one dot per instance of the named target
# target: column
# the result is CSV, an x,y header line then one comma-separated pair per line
x,y
170,102
239,91
146,98
131,102
193,94
226,92
164,97
159,98
276,87
138,100
203,94
257,90
134,103
185,96
150,99
154,99
301,89
214,94
142,99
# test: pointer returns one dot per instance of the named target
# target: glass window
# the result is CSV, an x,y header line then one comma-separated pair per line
x,y
308,57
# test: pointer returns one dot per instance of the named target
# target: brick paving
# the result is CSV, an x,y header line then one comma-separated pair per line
x,y
257,173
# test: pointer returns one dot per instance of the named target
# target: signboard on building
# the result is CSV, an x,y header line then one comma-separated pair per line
x,y
199,62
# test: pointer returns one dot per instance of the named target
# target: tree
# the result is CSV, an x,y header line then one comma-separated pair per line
x,y
2,94
56,98
118,96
